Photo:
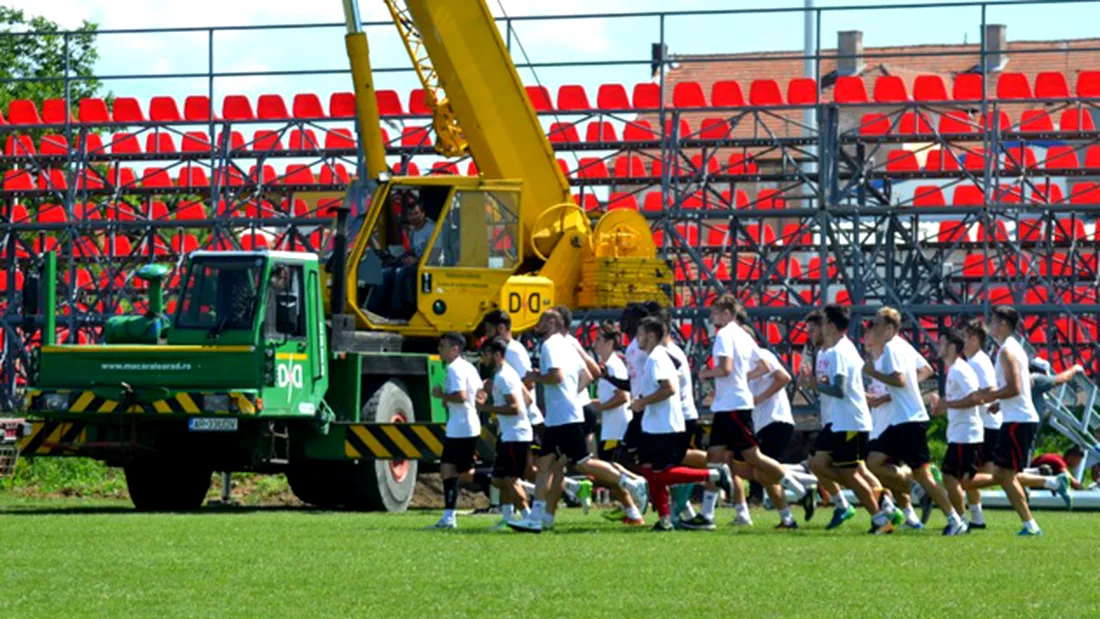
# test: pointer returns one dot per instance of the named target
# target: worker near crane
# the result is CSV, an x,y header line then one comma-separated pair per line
x,y
397,295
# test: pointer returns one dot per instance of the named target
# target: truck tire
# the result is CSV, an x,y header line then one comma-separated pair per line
x,y
318,482
383,485
162,484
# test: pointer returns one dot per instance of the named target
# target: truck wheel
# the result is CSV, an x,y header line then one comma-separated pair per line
x,y
383,485
159,484
318,482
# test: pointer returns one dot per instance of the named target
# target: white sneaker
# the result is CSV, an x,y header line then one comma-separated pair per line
x,y
742,521
639,491
526,525
445,524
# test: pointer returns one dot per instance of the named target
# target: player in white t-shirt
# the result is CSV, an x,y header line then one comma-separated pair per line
x,y
463,424
976,334
811,372
961,397
613,392
508,400
732,439
662,449
840,445
560,370
905,441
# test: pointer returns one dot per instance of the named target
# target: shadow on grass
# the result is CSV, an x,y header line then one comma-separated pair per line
x,y
85,510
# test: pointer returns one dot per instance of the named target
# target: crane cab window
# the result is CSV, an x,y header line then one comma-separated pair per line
x,y
479,231
284,285
220,294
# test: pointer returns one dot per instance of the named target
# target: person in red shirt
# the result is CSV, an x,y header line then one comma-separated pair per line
x,y
1066,463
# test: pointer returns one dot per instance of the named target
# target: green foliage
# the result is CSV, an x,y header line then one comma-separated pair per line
x,y
80,477
37,60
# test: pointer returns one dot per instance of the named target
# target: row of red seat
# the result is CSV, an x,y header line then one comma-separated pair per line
x,y
88,249
192,177
1084,193
1015,159
959,122
156,210
570,98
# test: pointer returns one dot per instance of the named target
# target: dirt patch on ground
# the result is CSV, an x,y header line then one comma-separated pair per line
x,y
429,495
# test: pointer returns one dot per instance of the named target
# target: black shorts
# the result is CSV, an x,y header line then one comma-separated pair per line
x,y
846,449
907,443
961,459
874,444
633,436
690,435
1014,445
733,430
661,451
537,431
459,452
511,459
989,447
774,438
821,441
608,450
566,440
590,416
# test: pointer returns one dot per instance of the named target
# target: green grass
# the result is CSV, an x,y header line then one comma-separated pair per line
x,y
76,557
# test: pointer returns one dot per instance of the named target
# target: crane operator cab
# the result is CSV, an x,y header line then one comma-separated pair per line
x,y
436,253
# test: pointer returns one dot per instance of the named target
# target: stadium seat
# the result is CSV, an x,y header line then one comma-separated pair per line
x,y
198,108
1047,195
761,235
1087,193
1068,229
683,127
612,97
1013,85
193,177
737,199
307,106
1051,85
195,142
539,97
714,129
190,210
928,196
646,96
1036,121
23,112
652,202
1000,295
938,160
91,144
929,88
56,112
89,179
227,177
1088,84
337,174
184,243
588,201
974,159
901,160
726,93
813,268
573,98
629,166
802,91
874,123
471,168
850,89
967,87
93,110
389,103
998,122
414,137
1077,119
976,266
341,105
563,133
789,268
237,107
127,110
718,235
418,102
591,168
967,195
51,214
236,141
915,123
955,121
339,139
297,174
265,141
1061,158
796,235
163,109
122,179
951,232
53,179
159,142
19,146
125,144
768,198
1030,231
1000,233
711,165
155,178
688,95
303,140
445,168
399,169
740,163
639,131
622,200
765,92
890,89
1092,157
1019,158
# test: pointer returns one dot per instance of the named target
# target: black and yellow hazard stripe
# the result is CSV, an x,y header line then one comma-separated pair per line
x,y
397,441
183,402
53,437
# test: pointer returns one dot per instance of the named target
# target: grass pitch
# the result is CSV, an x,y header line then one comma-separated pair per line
x,y
75,558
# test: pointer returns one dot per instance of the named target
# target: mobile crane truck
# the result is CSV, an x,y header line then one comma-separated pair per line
x,y
282,362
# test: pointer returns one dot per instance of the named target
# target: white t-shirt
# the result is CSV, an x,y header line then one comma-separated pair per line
x,y
899,356
517,357
1019,409
880,415
462,419
850,413
987,379
731,392
664,417
562,403
964,425
613,421
513,428
776,408
823,368
687,393
635,367
585,397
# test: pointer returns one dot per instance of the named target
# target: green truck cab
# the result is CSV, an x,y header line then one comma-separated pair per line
x,y
246,375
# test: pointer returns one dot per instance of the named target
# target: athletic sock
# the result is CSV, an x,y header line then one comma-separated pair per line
x,y
840,500
910,514
507,511
710,502
785,515
790,483
886,502
742,510
632,512
1050,483
528,487
688,512
538,508
976,515
1031,525
571,485
681,499
450,493
806,479
953,518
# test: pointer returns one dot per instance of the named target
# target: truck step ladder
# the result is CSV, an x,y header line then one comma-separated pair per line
x,y
1072,411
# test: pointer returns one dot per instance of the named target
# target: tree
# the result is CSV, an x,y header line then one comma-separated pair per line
x,y
32,59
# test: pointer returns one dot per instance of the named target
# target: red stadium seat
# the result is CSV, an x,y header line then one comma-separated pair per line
x,y
967,195
338,174
698,165
125,144
303,140
726,93
600,132
19,146
190,210
1043,195
539,97
1030,231
629,166
297,174
621,200
999,235
974,159
339,139
1013,85
653,203
564,133
56,112
890,89
53,179
122,179
874,123
768,198
236,140
389,103
914,123
688,95
928,195
156,178
1088,84
740,163
901,160
413,137
929,88
1087,193
612,97
89,179
714,129
1092,157
1078,119
647,96
264,140
737,199
91,144
940,160
237,107
952,232
184,243
796,235
23,112
193,177
1061,158
195,142
93,110
639,131
975,266
802,91
1051,85
955,121
197,108
588,201
850,89
418,102
1068,229
967,87
1036,121
765,92
399,169
341,105
307,106
1019,158
684,129
159,142
127,110
996,122
573,98
591,168
164,109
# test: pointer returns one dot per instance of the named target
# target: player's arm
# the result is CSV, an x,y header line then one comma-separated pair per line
x,y
833,387
618,383
760,370
617,399
553,377
722,368
875,401
1012,386
780,379
511,407
456,397
590,364
925,371
584,380
893,379
1064,377
665,390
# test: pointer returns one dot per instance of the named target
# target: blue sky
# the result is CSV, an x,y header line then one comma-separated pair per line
x,y
545,41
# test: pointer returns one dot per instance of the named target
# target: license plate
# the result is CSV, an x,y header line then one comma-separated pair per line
x,y
208,424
